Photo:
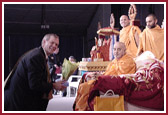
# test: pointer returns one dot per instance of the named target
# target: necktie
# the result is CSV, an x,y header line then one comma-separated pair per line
x,y
48,74
50,96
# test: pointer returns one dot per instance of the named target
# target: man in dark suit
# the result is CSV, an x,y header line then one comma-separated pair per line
x,y
29,86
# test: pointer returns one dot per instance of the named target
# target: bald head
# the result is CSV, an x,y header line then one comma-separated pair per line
x,y
124,21
119,50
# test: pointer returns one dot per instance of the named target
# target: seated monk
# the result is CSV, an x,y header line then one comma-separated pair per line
x,y
144,88
122,64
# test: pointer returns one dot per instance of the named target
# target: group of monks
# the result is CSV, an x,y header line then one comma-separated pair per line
x,y
150,39
132,42
137,42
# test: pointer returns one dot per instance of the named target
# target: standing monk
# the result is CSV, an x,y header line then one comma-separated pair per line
x,y
152,38
129,35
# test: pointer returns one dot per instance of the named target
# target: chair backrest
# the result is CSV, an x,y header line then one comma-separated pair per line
x,y
60,77
73,83
74,78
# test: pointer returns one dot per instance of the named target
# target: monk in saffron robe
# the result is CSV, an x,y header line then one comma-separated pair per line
x,y
123,62
129,35
152,38
144,88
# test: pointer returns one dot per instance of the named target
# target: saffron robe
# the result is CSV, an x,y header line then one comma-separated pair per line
x,y
152,40
127,36
82,96
125,65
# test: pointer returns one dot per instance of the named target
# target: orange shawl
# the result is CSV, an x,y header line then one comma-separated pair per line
x,y
82,95
127,36
124,65
152,40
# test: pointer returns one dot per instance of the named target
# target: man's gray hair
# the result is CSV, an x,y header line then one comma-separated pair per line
x,y
47,37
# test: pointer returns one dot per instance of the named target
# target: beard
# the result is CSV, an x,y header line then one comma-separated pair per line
x,y
152,26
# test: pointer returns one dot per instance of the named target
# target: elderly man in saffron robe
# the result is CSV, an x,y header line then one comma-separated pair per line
x,y
152,38
122,64
129,34
145,88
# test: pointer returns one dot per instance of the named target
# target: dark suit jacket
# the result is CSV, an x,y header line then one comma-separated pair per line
x,y
28,83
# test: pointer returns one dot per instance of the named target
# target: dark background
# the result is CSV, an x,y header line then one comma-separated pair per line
x,y
76,25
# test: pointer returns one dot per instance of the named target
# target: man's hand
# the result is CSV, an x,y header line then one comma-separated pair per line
x,y
56,66
59,85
